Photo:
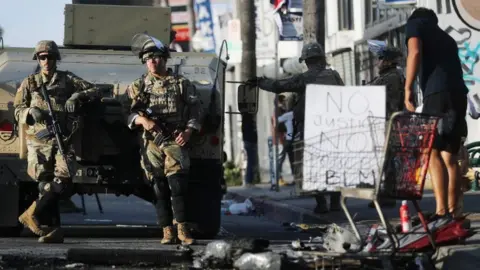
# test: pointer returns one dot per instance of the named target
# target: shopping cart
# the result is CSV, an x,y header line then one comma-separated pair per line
x,y
403,152
375,159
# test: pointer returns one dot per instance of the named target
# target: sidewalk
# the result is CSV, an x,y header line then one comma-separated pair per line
x,y
286,206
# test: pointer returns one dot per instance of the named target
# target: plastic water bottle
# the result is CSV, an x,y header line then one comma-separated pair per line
x,y
405,217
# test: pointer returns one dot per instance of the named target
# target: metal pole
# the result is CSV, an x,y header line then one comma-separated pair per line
x,y
276,154
230,120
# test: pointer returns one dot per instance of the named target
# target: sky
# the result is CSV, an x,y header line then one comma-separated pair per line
x,y
25,22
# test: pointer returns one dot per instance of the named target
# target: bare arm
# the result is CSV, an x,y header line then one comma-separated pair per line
x,y
413,60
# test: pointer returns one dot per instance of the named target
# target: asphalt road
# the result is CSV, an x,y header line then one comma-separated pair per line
x,y
126,223
132,213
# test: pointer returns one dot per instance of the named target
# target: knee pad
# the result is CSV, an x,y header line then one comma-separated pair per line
x,y
160,188
41,187
178,184
57,186
46,187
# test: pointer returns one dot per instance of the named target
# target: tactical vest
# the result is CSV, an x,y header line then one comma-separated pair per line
x,y
57,92
312,76
164,98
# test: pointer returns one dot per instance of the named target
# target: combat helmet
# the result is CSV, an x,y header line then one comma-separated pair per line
x,y
384,52
144,44
311,50
46,46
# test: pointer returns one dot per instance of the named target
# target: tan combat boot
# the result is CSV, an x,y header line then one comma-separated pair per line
x,y
55,236
184,234
29,221
168,235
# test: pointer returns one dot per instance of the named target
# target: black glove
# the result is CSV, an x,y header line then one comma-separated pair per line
x,y
71,105
37,115
253,81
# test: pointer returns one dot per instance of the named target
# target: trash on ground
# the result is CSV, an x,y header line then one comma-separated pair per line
x,y
303,227
230,207
222,253
75,265
316,239
340,239
220,250
297,244
259,261
254,245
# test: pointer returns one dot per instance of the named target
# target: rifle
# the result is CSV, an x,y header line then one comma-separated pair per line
x,y
161,135
53,128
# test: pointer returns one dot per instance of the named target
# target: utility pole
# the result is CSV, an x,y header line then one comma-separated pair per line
x,y
248,71
191,21
314,31
314,21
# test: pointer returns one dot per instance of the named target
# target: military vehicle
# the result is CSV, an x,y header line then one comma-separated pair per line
x,y
97,48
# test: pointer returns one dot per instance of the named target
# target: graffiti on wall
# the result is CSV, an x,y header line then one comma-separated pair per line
x,y
464,26
469,53
461,20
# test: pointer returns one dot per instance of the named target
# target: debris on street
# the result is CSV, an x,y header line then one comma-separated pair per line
x,y
259,261
222,253
230,207
340,239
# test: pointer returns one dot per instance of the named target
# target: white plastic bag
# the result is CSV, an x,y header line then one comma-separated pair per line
x,y
259,261
335,238
218,249
241,208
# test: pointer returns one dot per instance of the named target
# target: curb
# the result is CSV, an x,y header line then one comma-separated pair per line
x,y
106,256
280,212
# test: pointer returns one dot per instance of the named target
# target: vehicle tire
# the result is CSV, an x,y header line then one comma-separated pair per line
x,y
205,198
209,226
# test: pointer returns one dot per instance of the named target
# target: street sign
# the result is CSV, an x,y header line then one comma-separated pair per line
x,y
203,11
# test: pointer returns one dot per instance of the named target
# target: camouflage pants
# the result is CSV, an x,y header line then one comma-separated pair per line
x,y
166,160
45,162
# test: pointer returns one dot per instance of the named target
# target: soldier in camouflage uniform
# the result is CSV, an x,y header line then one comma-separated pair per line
x,y
166,106
314,56
45,164
394,81
391,77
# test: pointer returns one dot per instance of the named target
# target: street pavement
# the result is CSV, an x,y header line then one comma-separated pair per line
x,y
127,231
128,226
287,206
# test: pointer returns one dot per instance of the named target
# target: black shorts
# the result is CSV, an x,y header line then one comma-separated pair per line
x,y
439,104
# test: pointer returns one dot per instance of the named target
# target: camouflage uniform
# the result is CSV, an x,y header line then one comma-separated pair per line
x,y
45,164
317,74
170,158
173,100
394,82
392,78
